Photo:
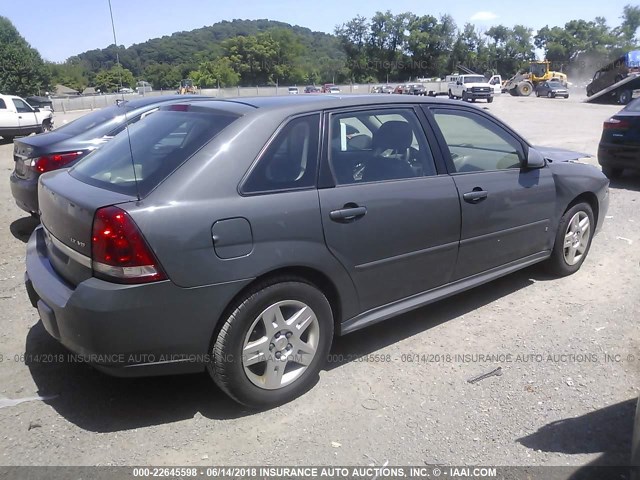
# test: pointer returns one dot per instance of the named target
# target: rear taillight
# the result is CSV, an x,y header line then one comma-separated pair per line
x,y
119,251
47,163
615,123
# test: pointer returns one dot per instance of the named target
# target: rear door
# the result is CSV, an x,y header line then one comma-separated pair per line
x,y
388,216
8,118
506,209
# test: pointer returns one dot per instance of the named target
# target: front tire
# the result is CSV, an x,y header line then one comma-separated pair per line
x,y
573,240
46,127
489,99
550,95
273,344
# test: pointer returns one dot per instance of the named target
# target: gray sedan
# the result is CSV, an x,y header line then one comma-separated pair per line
x,y
242,236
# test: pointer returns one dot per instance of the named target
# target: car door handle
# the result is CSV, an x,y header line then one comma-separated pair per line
x,y
475,196
347,213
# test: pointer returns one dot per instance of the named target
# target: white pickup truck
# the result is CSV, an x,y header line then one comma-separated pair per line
x,y
18,118
470,87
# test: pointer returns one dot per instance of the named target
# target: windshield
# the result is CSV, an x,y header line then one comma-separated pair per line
x,y
474,79
159,144
94,119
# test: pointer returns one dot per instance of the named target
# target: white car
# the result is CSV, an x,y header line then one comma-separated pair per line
x,y
293,91
126,90
18,118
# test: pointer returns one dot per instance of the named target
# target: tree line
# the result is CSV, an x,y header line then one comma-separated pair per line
x,y
386,47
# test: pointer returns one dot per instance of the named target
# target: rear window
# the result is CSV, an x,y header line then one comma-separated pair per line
x,y
633,106
155,147
93,119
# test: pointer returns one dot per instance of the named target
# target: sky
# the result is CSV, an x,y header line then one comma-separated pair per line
x,y
62,28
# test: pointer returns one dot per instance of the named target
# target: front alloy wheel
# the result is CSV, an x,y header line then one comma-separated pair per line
x,y
573,240
273,343
576,238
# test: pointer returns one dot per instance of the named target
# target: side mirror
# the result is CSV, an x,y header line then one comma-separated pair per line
x,y
458,83
534,159
36,109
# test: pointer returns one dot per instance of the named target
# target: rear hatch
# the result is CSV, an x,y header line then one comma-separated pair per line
x,y
67,209
125,169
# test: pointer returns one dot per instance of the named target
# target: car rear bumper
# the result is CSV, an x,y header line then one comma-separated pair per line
x,y
25,192
126,330
619,156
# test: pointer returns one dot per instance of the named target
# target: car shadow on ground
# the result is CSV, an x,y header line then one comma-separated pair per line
x,y
627,181
24,227
100,403
4,141
390,331
608,431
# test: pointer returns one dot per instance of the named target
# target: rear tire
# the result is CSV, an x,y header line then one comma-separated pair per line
x,y
625,97
573,240
611,172
254,355
8,138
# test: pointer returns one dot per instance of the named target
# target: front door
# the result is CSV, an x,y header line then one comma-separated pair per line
x,y
26,116
506,209
390,219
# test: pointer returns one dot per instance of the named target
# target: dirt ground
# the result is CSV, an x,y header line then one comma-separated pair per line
x,y
568,349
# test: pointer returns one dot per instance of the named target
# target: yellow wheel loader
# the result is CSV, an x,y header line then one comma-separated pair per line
x,y
523,83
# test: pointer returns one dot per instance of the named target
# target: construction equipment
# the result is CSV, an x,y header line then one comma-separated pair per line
x,y
186,87
523,83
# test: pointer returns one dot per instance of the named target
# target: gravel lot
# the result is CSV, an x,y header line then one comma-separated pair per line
x,y
558,402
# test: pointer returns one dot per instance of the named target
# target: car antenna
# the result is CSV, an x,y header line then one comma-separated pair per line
x,y
126,122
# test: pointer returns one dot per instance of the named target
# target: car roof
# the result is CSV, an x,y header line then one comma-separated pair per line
x,y
153,99
292,105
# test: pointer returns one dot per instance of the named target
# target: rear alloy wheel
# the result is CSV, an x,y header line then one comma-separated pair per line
x,y
272,346
611,172
573,240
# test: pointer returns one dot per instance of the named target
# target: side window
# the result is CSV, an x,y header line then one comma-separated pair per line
x,y
21,106
378,145
476,144
2,104
290,161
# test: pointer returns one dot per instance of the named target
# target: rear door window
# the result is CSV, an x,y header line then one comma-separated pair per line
x,y
290,161
138,161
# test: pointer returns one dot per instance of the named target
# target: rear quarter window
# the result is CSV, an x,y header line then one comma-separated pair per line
x,y
141,157
2,104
